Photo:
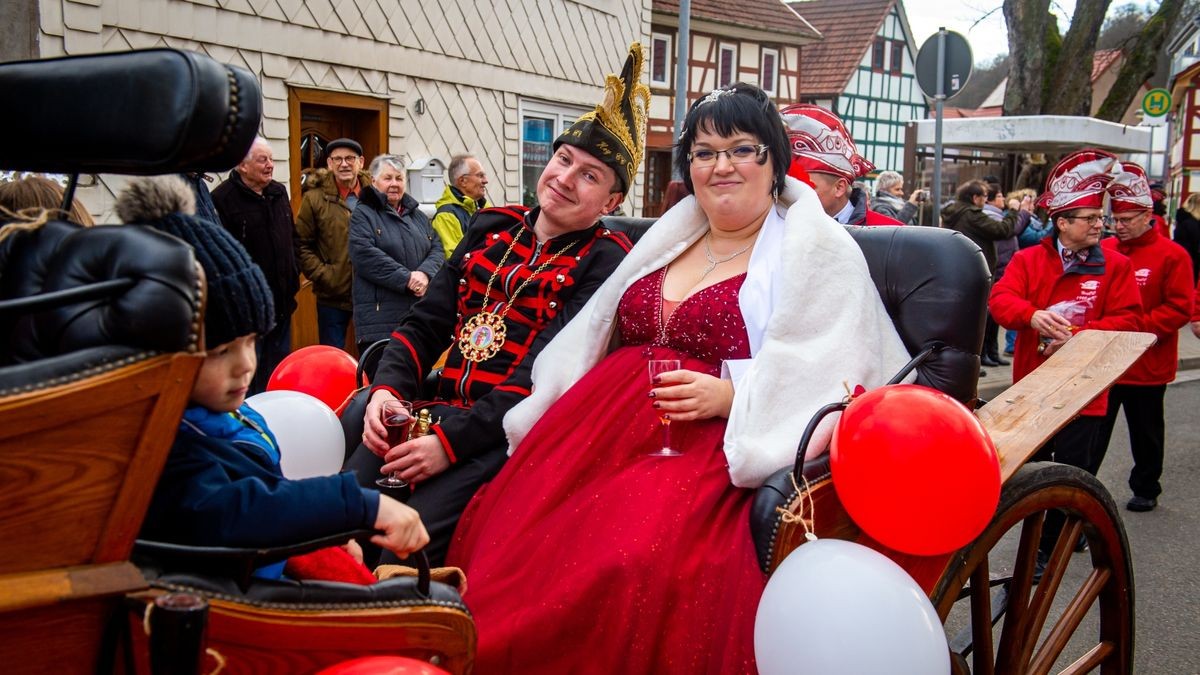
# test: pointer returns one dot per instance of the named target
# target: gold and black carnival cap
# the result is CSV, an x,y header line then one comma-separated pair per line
x,y
615,131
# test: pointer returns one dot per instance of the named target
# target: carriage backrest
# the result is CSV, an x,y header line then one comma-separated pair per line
x,y
934,284
99,336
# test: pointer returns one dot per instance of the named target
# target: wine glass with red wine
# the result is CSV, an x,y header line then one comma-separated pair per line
x,y
397,418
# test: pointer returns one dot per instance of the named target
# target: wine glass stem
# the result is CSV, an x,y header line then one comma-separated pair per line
x,y
666,429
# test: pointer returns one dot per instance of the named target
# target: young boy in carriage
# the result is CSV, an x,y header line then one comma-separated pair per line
x,y
222,484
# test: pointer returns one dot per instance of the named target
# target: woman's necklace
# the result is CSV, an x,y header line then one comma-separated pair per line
x,y
482,336
713,262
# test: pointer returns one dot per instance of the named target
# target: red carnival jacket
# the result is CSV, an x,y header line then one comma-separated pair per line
x,y
1162,270
1035,280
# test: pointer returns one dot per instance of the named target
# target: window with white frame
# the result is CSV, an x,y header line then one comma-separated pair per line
x,y
541,123
660,60
727,66
768,76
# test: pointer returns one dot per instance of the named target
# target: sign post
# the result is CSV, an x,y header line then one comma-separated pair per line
x,y
943,68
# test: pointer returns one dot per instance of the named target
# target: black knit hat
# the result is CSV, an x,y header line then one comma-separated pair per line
x,y
239,300
615,131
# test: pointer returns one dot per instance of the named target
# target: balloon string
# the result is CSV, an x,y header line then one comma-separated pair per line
x,y
806,506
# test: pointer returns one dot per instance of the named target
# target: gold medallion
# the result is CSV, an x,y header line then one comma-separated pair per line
x,y
482,336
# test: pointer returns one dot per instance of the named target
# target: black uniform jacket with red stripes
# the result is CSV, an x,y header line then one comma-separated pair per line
x,y
488,389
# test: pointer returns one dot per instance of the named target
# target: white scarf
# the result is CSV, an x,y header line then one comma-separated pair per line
x,y
827,328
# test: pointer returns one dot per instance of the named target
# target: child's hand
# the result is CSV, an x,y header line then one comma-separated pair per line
x,y
401,529
354,550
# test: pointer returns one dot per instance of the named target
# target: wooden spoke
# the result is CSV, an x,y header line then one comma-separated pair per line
x,y
1070,620
981,619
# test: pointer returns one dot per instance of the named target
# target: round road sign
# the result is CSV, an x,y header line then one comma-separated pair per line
x,y
958,65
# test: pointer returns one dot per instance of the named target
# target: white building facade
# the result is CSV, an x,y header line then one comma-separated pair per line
x,y
424,80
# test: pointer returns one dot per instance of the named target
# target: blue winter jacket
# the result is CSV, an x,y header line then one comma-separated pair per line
x,y
385,249
222,487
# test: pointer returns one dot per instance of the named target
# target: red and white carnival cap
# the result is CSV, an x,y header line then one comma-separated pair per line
x,y
821,144
1079,181
1130,191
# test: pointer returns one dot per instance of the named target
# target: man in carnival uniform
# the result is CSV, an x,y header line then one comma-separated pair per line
x,y
1065,284
516,279
825,157
1162,269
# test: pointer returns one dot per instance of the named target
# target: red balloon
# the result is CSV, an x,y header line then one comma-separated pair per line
x,y
915,469
322,371
383,665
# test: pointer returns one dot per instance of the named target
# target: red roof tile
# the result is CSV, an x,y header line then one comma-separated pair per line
x,y
1102,59
768,15
848,28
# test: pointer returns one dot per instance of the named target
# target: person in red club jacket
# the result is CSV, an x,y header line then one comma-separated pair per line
x,y
825,157
1065,284
1162,270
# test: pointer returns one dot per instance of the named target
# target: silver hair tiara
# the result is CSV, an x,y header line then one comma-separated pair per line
x,y
714,95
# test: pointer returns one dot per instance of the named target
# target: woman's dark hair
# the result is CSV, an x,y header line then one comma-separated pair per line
x,y
738,108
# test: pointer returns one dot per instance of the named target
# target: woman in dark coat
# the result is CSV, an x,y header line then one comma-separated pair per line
x,y
1187,230
393,250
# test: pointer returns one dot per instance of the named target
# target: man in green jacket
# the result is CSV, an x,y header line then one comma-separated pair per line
x,y
463,196
323,240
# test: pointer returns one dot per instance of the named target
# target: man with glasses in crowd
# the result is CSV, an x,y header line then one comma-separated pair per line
x,y
1065,284
464,195
323,240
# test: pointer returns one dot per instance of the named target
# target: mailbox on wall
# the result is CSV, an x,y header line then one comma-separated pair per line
x,y
426,179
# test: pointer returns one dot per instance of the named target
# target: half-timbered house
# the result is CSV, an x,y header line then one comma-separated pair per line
x,y
864,70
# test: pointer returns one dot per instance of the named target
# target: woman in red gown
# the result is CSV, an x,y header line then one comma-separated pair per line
x,y
589,554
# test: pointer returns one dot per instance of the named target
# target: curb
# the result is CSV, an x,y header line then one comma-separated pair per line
x,y
999,379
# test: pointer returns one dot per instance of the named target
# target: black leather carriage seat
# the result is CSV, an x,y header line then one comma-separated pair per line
x,y
934,284
75,301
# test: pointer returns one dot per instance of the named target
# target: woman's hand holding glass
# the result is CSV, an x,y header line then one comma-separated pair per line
x,y
686,395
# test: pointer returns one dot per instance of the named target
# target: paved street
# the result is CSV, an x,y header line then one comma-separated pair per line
x,y
1166,542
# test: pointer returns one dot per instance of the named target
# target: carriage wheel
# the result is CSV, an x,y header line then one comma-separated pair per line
x,y
1008,630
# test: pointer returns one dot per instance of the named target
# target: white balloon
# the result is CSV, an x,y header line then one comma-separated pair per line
x,y
311,442
834,607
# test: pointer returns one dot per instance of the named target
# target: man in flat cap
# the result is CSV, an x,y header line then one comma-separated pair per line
x,y
515,280
322,231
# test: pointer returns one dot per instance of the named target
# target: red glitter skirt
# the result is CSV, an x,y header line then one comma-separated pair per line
x,y
588,555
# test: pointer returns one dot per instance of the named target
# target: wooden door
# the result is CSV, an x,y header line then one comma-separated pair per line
x,y
314,119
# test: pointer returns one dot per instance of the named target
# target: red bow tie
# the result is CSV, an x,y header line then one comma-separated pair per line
x,y
1069,256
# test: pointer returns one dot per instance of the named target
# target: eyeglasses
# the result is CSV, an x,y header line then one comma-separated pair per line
x,y
478,174
1090,220
1123,221
349,159
738,154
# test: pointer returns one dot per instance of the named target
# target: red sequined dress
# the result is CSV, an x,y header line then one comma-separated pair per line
x,y
588,555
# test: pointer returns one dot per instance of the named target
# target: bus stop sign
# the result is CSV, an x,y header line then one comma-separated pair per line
x,y
1156,102
958,65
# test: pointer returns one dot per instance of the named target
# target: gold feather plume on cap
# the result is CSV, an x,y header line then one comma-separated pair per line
x,y
620,119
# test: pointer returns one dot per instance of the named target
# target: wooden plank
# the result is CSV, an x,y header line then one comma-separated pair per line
x,y
1030,412
47,587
